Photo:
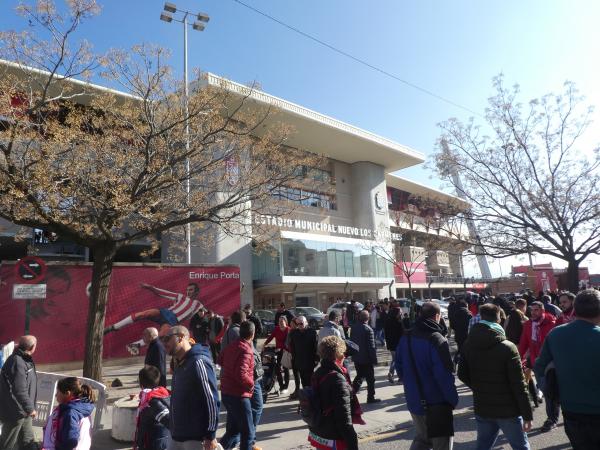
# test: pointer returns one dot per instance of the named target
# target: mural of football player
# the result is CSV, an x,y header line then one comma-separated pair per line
x,y
183,307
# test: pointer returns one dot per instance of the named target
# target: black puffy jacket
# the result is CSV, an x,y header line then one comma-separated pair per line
x,y
491,367
334,393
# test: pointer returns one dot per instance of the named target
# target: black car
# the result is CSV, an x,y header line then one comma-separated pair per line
x,y
314,317
267,318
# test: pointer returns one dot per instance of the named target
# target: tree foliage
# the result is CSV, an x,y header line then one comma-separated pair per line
x,y
531,183
105,169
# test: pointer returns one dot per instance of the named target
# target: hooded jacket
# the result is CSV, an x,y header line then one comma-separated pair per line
x,y
152,432
434,365
69,426
547,322
18,386
194,397
491,367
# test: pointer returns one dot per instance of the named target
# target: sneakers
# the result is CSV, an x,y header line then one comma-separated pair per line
x,y
254,447
548,425
376,400
109,329
133,349
284,391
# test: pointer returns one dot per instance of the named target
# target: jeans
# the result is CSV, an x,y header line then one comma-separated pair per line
x,y
240,423
18,435
583,430
393,362
552,408
379,335
256,404
365,372
284,381
488,430
422,442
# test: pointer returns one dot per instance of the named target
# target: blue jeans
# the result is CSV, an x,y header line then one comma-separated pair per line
x,y
256,403
240,423
488,430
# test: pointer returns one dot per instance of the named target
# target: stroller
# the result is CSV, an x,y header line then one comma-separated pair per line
x,y
271,369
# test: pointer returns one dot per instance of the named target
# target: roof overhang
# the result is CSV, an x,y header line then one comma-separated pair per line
x,y
312,131
321,134
81,91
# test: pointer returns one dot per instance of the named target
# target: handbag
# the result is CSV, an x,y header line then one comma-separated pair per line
x,y
438,418
286,360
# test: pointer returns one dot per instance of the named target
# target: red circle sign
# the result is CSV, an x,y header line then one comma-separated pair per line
x,y
30,269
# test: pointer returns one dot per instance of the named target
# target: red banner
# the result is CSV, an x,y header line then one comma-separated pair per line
x,y
416,272
151,295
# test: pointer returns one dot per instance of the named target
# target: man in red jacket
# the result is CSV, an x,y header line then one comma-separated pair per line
x,y
237,386
532,339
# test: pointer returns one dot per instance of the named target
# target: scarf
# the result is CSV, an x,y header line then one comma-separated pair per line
x,y
535,330
493,325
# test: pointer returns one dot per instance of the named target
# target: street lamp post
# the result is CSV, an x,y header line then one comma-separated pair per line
x,y
167,16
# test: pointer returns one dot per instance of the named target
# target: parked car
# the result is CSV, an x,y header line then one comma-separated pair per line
x,y
313,315
443,308
267,318
340,305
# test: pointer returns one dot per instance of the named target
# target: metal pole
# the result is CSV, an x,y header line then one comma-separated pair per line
x,y
188,227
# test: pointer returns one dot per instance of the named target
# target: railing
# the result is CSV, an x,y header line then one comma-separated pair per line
x,y
448,279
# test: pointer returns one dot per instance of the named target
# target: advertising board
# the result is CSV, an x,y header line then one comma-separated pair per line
x,y
155,295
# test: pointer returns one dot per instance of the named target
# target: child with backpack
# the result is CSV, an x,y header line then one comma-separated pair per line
x,y
329,406
152,417
69,426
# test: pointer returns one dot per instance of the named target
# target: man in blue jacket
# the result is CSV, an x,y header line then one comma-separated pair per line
x,y
194,396
434,366
574,349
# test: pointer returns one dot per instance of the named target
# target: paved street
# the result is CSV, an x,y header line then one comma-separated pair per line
x,y
388,423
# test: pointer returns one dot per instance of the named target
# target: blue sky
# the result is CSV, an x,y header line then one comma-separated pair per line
x,y
451,48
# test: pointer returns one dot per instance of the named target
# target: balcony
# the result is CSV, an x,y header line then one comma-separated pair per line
x,y
438,260
448,279
410,254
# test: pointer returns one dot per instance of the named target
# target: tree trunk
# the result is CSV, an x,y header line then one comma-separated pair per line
x,y
573,276
104,256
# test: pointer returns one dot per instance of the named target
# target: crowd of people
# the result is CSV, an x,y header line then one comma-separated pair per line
x,y
513,353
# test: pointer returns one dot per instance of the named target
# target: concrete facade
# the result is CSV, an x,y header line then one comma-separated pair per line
x,y
318,254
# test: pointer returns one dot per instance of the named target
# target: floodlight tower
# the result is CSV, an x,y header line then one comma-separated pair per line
x,y
167,15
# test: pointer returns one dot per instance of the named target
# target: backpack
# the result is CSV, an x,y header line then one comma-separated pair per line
x,y
309,403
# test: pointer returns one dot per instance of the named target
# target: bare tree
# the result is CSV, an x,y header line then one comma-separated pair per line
x,y
531,185
428,219
105,169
